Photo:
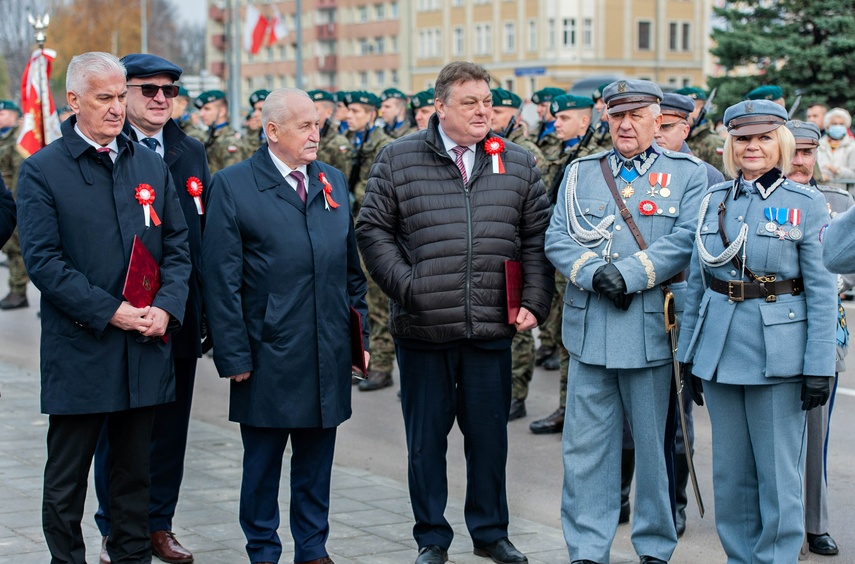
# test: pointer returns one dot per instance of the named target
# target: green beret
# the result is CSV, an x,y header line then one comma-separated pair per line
x,y
692,92
209,96
321,96
570,102
392,93
183,92
767,92
258,96
421,99
362,97
340,96
505,98
9,105
546,95
598,93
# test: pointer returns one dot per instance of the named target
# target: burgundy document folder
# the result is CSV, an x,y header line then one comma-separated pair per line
x,y
142,280
357,349
514,288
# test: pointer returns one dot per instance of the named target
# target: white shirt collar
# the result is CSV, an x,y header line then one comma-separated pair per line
x,y
286,170
158,136
449,144
114,147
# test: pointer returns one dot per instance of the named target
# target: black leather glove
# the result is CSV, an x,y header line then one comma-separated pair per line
x,y
623,301
608,282
693,384
815,391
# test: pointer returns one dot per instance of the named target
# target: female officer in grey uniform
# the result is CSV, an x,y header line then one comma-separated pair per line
x,y
759,334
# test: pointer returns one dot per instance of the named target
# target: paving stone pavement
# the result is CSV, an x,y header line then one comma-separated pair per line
x,y
371,518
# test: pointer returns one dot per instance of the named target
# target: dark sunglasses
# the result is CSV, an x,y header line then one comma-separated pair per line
x,y
150,90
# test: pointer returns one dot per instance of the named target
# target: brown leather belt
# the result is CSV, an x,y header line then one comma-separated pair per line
x,y
679,277
770,289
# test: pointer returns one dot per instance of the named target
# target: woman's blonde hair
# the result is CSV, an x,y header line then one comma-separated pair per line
x,y
786,147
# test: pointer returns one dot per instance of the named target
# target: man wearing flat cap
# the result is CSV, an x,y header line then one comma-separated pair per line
x,y
704,142
10,162
151,91
818,539
333,148
393,112
622,229
423,108
223,145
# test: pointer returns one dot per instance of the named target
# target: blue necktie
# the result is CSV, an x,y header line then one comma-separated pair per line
x,y
150,142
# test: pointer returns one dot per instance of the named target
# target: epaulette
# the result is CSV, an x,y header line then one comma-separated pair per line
x,y
832,189
800,188
590,157
726,185
681,155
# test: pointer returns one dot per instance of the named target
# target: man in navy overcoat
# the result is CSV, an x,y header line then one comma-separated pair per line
x,y
82,200
281,270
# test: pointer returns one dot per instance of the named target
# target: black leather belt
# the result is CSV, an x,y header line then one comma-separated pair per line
x,y
679,277
768,288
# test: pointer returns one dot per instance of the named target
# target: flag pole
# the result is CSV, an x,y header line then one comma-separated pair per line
x,y
234,66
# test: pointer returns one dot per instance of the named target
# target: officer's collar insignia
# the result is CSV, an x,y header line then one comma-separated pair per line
x,y
641,162
749,107
767,183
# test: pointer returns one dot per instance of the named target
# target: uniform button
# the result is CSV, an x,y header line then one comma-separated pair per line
x,y
706,228
730,301
792,315
739,218
587,210
660,211
672,210
615,255
733,273
618,228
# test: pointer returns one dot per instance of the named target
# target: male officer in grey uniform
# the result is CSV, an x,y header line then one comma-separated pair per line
x,y
620,354
818,540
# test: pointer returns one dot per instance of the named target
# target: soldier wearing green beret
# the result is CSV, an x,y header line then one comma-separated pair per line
x,y
340,115
704,142
333,149
223,144
393,111
423,108
602,136
10,162
186,120
254,137
545,137
767,92
366,142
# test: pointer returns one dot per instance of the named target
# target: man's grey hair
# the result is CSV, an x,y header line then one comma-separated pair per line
x,y
277,108
655,110
87,65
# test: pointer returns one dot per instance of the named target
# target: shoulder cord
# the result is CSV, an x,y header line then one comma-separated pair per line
x,y
705,257
588,238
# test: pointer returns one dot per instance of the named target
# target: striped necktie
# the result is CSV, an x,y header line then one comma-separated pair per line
x,y
458,150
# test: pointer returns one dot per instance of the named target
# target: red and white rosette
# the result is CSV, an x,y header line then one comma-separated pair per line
x,y
647,207
328,201
145,196
494,146
194,188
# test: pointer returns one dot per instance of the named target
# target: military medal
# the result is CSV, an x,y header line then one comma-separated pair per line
x,y
782,233
771,226
145,196
795,217
663,179
646,207
194,188
627,192
665,192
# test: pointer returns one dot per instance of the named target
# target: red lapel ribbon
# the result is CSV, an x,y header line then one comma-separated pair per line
x,y
194,188
327,191
494,146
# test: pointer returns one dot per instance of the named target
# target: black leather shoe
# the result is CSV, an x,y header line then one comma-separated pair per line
x,y
14,301
517,409
375,380
432,555
543,352
552,363
822,544
680,521
502,552
584,562
553,423
627,470
652,560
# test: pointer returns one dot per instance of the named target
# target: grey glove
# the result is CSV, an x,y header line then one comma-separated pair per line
x,y
815,391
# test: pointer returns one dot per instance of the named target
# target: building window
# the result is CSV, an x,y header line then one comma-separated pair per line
x,y
532,35
249,83
282,52
456,3
510,43
283,81
588,33
394,44
394,73
379,12
644,29
550,34
379,45
380,78
393,11
268,81
673,36
687,37
363,79
457,41
362,14
365,47
437,43
488,38
569,32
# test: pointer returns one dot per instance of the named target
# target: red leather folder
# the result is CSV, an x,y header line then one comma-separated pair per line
x,y
357,349
514,288
142,280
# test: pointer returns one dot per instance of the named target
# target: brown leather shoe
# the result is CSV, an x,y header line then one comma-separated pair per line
x,y
165,546
324,560
105,556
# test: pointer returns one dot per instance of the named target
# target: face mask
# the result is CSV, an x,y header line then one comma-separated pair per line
x,y
836,131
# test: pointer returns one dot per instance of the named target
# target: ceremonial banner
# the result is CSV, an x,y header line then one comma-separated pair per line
x,y
41,122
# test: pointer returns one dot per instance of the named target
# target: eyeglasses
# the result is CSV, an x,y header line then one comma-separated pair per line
x,y
150,90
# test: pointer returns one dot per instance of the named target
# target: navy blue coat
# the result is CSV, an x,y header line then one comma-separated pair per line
x,y
186,157
279,277
77,223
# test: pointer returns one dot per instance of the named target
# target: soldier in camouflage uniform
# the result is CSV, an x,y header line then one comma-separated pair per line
x,y
423,108
340,114
602,136
254,137
223,144
367,141
333,149
10,162
181,114
704,142
393,111
506,107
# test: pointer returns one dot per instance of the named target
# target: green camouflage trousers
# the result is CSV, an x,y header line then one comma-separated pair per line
x,y
563,355
18,278
522,363
380,340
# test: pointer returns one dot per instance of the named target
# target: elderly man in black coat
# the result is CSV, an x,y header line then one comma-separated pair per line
x,y
149,122
281,272
444,209
83,200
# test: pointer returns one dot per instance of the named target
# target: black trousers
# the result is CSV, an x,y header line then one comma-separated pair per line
x,y
71,444
471,385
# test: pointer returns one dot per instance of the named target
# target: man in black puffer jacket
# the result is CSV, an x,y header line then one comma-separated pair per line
x,y
440,218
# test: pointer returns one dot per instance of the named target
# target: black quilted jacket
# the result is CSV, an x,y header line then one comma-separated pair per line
x,y
437,248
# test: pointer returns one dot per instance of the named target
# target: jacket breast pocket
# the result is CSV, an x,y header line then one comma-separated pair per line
x,y
711,238
785,336
657,344
575,315
592,208
773,249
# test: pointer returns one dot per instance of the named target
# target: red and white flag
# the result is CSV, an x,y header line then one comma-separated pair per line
x,y
254,29
41,122
277,27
